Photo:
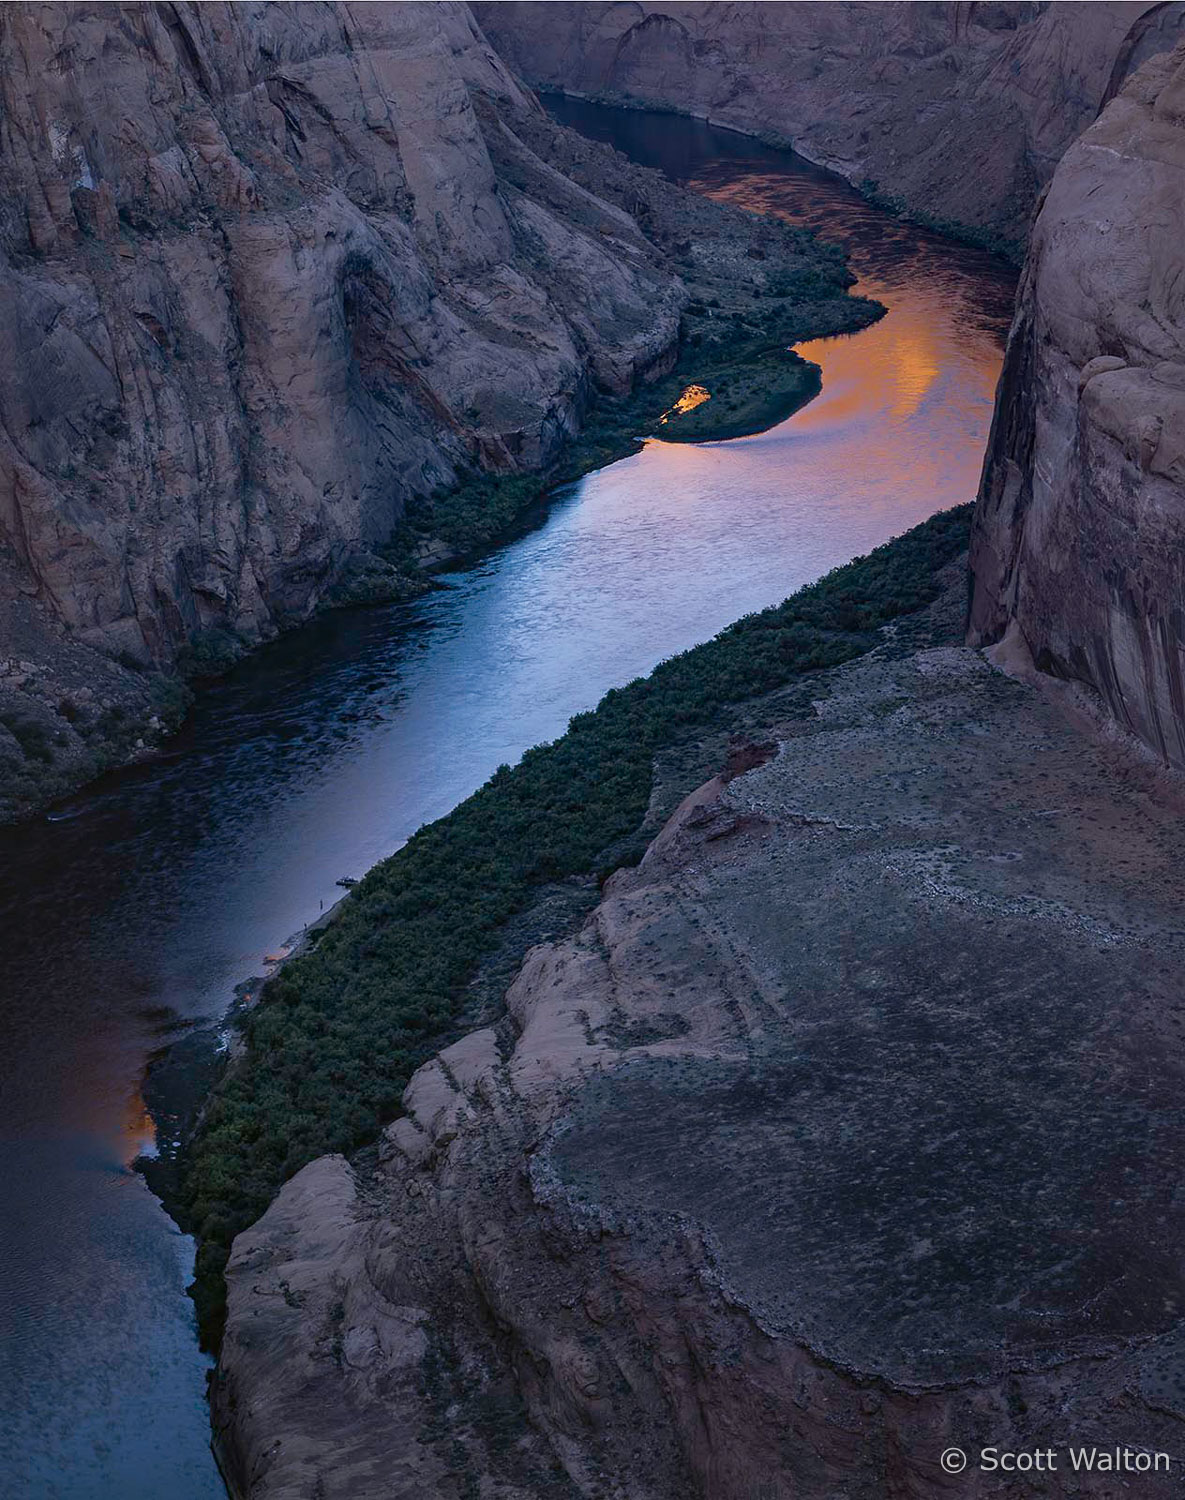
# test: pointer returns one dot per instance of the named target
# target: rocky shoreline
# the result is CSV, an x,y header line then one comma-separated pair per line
x,y
394,976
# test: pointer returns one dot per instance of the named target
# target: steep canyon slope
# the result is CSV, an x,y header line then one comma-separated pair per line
x,y
269,272
1077,543
957,112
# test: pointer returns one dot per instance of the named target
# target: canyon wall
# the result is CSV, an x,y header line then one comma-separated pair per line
x,y
262,284
1077,541
266,272
956,112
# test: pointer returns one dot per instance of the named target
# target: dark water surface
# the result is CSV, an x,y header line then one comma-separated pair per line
x,y
145,900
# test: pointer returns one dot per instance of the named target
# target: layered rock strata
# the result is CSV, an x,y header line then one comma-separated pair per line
x,y
262,284
266,273
1077,539
957,112
843,1132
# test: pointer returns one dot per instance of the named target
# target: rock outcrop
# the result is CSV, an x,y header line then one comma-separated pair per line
x,y
266,273
958,112
843,1132
1077,545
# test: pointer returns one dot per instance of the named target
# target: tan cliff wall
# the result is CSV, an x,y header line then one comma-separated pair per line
x,y
957,111
262,283
1077,540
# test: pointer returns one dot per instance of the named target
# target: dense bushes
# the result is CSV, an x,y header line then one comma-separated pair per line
x,y
337,1033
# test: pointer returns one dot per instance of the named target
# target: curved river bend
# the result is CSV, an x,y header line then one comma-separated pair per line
x,y
142,903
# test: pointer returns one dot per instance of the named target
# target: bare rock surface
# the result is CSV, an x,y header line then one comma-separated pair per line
x,y
1077,540
960,112
263,278
845,1130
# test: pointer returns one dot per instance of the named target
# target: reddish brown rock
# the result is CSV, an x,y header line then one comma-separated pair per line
x,y
261,284
1077,541
266,273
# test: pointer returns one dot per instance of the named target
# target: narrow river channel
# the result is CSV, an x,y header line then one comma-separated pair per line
x,y
135,909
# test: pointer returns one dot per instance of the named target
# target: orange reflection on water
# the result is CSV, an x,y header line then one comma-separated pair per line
x,y
139,1131
911,396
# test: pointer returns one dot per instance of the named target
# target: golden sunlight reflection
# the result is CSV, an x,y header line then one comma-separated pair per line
x,y
911,396
139,1130
693,396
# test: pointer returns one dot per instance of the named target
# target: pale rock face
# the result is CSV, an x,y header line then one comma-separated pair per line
x,y
960,111
260,283
1077,540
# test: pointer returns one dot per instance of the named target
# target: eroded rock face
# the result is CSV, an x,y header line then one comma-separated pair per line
x,y
1077,539
843,1132
959,111
266,272
262,282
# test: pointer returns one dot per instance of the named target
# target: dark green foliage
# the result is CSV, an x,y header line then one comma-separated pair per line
x,y
756,397
769,379
210,653
477,513
339,1030
171,700
31,735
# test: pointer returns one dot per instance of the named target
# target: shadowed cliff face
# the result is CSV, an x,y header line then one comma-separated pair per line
x,y
1077,543
266,272
263,283
959,112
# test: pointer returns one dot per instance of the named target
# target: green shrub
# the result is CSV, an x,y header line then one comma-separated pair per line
x,y
31,735
210,653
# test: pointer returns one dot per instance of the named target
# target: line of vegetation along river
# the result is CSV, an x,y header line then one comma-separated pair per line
x,y
338,1031
325,1052
760,286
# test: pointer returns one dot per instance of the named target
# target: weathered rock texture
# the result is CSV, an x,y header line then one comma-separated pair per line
x,y
844,1131
960,111
262,282
266,272
1078,535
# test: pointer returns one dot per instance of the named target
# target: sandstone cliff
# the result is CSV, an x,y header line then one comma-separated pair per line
x,y
1077,541
784,1174
266,272
959,112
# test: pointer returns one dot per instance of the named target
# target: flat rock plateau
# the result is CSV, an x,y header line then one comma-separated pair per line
x,y
846,1128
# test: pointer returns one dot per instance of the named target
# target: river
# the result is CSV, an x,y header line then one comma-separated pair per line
x,y
128,917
